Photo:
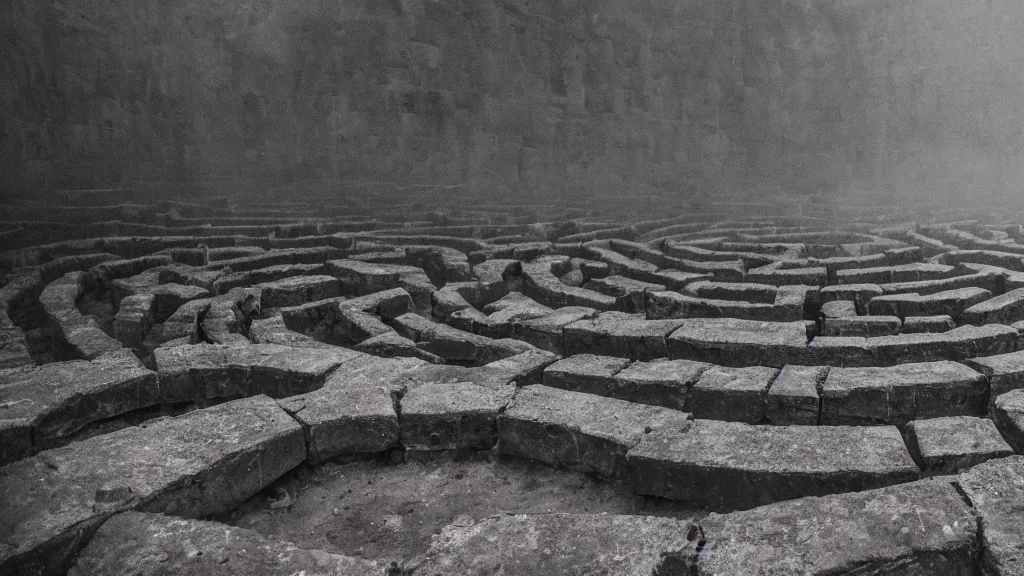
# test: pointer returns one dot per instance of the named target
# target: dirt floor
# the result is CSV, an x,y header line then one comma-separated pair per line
x,y
389,511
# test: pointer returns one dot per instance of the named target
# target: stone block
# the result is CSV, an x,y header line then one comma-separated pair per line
x,y
954,443
578,431
160,544
730,465
902,393
732,394
201,463
921,527
793,396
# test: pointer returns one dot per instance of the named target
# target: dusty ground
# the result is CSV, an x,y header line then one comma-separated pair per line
x,y
389,511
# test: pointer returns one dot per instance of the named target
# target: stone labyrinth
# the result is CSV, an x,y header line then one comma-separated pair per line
x,y
837,396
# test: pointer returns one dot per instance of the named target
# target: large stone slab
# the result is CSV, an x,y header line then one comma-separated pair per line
x,y
899,394
53,401
207,371
996,489
740,291
948,445
866,326
532,545
920,528
630,294
355,410
273,331
619,334
134,319
1003,309
1008,414
546,332
732,394
1005,372
204,462
927,324
948,302
169,297
958,344
298,290
141,544
665,383
585,373
578,431
453,415
731,342
661,305
730,465
793,396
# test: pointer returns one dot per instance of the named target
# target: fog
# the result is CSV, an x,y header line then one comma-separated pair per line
x,y
557,100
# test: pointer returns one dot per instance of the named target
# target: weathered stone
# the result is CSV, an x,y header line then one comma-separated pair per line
x,y
732,394
585,373
204,371
996,489
860,294
927,324
661,305
747,292
630,294
354,412
298,290
540,283
1008,414
948,445
664,383
838,309
223,323
450,299
730,342
899,394
545,332
134,319
388,304
1003,309
959,344
226,282
354,326
793,396
204,462
315,319
578,431
361,278
921,527
273,331
730,465
874,275
867,326
771,274
451,416
170,297
140,544
76,336
1005,372
314,255
53,401
619,334
393,345
950,303
524,369
521,545
184,323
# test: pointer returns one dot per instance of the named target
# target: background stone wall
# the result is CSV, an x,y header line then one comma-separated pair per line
x,y
533,98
